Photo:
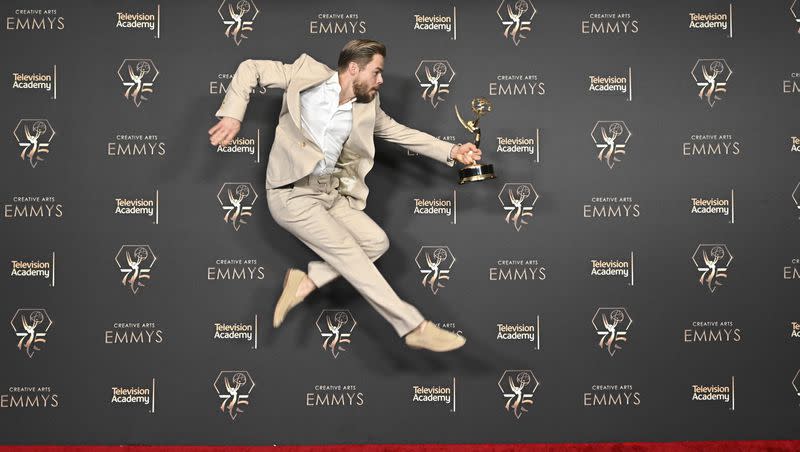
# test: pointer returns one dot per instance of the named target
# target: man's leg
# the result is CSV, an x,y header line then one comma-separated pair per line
x,y
304,213
369,236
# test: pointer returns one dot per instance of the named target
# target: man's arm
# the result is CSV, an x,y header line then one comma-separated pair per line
x,y
411,139
268,73
423,143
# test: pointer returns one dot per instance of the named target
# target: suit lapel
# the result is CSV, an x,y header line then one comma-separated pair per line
x,y
306,80
360,139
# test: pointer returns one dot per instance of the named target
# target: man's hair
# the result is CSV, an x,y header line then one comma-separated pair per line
x,y
360,51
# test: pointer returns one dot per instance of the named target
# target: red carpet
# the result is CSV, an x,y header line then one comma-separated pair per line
x,y
720,446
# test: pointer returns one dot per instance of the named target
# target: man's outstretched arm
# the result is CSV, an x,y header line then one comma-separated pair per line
x,y
423,143
268,73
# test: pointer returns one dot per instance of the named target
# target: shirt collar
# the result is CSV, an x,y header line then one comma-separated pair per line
x,y
333,84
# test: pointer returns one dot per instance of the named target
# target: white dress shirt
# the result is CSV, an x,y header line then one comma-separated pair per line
x,y
327,122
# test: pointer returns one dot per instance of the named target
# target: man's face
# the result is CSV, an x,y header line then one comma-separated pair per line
x,y
369,80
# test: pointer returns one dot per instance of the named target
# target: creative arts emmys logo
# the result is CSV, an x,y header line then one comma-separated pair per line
x,y
610,137
434,263
138,75
435,76
34,137
336,328
25,323
241,197
234,388
518,387
716,258
712,76
238,17
614,330
517,18
518,200
135,262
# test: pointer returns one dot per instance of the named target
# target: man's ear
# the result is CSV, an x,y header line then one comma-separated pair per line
x,y
352,68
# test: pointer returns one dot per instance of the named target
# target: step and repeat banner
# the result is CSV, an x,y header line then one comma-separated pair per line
x,y
630,275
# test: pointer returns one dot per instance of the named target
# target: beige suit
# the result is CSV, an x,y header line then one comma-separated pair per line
x,y
326,212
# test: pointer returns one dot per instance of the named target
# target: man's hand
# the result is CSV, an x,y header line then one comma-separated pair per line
x,y
225,131
466,154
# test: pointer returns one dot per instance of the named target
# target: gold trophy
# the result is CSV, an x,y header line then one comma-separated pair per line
x,y
476,171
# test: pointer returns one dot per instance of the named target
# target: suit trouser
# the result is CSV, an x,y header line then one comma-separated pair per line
x,y
346,239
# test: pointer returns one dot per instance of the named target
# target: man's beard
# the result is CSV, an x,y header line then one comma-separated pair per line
x,y
363,95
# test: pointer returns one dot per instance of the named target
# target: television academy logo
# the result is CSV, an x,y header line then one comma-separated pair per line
x,y
436,22
518,386
36,81
610,268
126,396
517,17
35,268
33,137
712,20
336,326
241,197
796,383
612,326
611,138
712,76
435,77
716,393
435,263
714,206
25,322
135,262
138,76
239,17
612,84
712,261
140,20
794,330
518,200
234,388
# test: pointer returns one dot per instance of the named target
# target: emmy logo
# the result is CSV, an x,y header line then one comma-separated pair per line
x,y
616,322
716,260
794,10
611,140
438,261
241,197
517,19
518,201
141,74
518,387
139,260
338,330
437,77
34,136
25,322
237,388
239,18
712,79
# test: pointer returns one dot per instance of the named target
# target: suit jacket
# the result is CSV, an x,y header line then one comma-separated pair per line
x,y
294,154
